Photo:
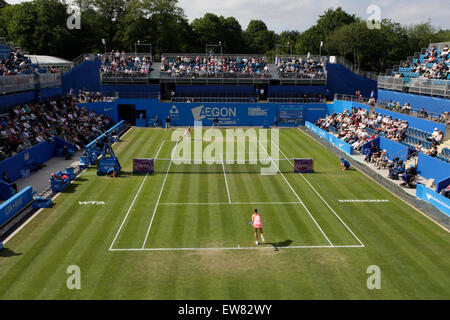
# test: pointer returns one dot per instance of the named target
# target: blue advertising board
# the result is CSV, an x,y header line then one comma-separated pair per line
x,y
338,143
435,199
229,114
15,204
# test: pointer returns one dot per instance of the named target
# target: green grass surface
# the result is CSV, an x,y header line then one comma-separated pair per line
x,y
313,248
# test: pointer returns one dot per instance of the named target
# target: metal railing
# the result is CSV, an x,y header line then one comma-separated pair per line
x,y
432,87
439,45
216,75
18,83
122,77
50,80
391,83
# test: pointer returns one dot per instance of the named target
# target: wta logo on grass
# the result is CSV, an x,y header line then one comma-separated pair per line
x,y
237,146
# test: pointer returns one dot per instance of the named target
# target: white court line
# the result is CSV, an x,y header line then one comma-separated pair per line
x,y
134,200
298,197
320,196
159,197
222,203
226,182
238,248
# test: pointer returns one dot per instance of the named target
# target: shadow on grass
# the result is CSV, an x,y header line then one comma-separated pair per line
x,y
8,253
276,245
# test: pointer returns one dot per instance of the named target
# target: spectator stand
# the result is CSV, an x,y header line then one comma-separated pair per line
x,y
190,68
126,68
425,73
301,69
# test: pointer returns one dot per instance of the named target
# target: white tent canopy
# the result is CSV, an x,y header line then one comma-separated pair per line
x,y
43,60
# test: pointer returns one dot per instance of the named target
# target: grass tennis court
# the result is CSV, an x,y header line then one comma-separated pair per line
x,y
183,233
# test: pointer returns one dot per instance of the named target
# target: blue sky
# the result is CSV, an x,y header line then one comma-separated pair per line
x,y
299,15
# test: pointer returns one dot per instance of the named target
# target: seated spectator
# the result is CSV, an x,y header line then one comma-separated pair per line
x,y
409,176
406,108
436,137
432,152
6,179
423,113
419,147
382,161
397,170
445,117
66,153
446,192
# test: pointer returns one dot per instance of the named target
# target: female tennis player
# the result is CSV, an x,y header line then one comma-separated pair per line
x,y
187,133
257,224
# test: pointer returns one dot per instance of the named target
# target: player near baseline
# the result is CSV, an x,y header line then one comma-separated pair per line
x,y
187,133
257,225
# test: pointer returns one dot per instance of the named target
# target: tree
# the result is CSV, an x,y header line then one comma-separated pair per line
x,y
330,20
3,4
208,30
17,24
258,38
51,35
106,19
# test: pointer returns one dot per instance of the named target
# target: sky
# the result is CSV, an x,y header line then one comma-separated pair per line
x,y
280,15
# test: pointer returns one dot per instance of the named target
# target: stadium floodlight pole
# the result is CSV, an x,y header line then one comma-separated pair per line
x,y
320,48
282,46
104,43
214,45
135,49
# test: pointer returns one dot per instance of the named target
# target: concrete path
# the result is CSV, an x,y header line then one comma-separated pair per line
x,y
40,179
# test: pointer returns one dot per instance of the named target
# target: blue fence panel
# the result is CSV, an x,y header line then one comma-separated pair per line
x,y
15,204
394,149
342,81
440,202
432,168
442,184
39,153
12,100
338,143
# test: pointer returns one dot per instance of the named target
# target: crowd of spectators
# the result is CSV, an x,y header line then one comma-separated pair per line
x,y
357,127
84,96
301,68
33,123
121,63
16,64
215,66
433,64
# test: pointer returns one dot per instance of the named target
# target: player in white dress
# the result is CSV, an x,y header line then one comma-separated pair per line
x,y
187,133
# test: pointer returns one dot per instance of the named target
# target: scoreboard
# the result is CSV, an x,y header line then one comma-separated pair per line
x,y
291,115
